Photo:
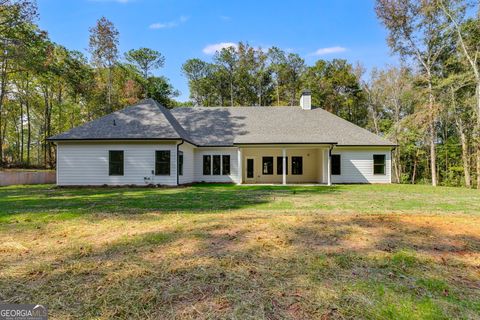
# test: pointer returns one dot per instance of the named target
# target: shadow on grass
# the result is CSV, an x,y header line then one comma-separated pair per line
x,y
50,203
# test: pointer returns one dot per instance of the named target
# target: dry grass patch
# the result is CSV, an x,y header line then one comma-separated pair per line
x,y
259,259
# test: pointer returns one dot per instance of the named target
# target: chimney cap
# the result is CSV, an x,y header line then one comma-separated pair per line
x,y
306,92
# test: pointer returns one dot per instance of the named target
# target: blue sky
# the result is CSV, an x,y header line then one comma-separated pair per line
x,y
321,29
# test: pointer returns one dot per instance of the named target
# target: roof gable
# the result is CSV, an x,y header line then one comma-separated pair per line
x,y
144,120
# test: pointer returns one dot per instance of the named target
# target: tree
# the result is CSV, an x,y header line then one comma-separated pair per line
x,y
277,61
160,89
227,59
103,47
287,72
145,59
79,75
16,31
46,89
373,96
30,65
262,75
244,75
461,115
336,88
196,72
457,89
294,68
391,99
417,30
467,36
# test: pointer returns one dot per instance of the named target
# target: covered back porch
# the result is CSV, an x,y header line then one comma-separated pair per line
x,y
284,164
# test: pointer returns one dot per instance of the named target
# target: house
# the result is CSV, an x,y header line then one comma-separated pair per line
x,y
149,144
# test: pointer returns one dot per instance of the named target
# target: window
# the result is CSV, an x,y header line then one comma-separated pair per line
x,y
225,165
115,163
267,165
297,165
280,165
180,163
162,163
250,168
336,167
216,165
378,164
207,165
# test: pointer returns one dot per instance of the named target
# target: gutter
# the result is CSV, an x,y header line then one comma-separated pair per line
x,y
178,145
54,140
370,145
284,143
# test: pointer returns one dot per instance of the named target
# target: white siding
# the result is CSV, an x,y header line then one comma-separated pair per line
x,y
198,165
87,163
188,163
357,165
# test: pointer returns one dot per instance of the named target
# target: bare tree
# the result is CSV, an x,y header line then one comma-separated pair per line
x,y
104,49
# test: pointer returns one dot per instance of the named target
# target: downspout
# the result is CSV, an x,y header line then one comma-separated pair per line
x,y
329,172
178,145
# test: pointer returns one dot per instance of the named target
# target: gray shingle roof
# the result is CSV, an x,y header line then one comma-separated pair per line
x,y
144,120
225,126
246,125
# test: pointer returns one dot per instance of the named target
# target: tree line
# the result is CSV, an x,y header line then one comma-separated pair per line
x,y
46,88
428,104
243,75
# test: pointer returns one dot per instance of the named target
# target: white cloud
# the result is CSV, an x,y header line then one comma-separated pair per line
x,y
163,25
225,18
169,24
329,50
212,48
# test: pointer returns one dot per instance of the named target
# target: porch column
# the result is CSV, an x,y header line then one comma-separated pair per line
x,y
240,171
329,171
284,166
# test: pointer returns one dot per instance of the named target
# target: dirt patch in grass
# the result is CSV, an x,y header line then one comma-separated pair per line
x,y
228,252
246,265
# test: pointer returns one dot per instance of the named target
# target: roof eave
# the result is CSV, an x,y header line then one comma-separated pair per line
x,y
119,139
368,145
267,143
112,139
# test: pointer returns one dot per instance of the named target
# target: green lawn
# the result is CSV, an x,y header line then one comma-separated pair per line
x,y
224,251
